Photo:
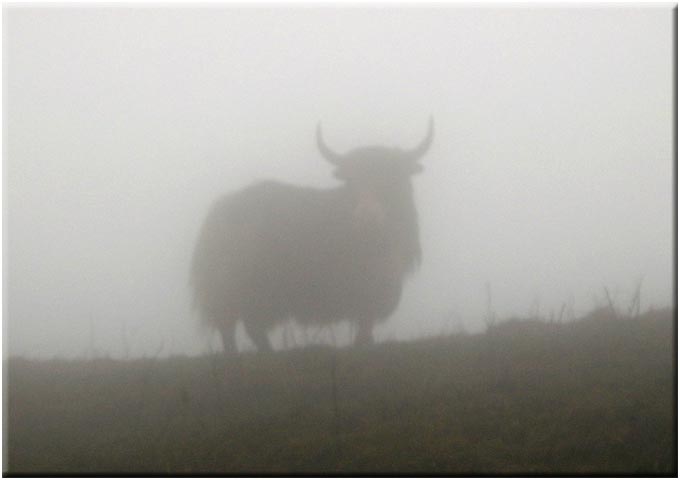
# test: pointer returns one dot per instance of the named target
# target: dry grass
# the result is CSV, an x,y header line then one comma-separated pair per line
x,y
592,396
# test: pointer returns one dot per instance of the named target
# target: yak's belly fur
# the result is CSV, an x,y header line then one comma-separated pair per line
x,y
274,251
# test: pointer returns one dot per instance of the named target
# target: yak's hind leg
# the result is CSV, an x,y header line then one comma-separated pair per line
x,y
257,331
230,362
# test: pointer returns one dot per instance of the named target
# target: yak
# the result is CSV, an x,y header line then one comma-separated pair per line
x,y
274,252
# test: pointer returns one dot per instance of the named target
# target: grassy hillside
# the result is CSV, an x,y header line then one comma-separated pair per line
x,y
596,395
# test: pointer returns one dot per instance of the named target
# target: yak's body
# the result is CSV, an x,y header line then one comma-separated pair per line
x,y
274,251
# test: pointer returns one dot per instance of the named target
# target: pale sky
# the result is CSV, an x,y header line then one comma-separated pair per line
x,y
550,175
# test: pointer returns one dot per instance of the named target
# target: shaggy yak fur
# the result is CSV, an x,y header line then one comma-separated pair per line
x,y
274,251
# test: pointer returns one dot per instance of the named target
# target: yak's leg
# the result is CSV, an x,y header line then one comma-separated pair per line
x,y
232,368
258,334
364,334
228,334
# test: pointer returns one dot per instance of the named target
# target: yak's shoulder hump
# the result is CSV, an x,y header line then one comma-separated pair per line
x,y
269,196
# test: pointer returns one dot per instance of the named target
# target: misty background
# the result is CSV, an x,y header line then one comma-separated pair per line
x,y
550,175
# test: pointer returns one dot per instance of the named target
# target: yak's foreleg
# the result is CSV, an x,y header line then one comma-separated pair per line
x,y
228,334
258,334
364,335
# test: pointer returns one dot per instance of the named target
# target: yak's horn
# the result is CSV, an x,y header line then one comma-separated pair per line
x,y
327,153
424,145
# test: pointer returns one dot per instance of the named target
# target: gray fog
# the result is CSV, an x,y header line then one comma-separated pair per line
x,y
550,175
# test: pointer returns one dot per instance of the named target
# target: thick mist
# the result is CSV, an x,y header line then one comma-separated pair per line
x,y
549,178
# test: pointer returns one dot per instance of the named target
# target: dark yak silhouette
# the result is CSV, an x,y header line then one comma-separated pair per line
x,y
274,251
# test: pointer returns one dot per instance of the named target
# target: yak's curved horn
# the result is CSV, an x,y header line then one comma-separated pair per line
x,y
424,145
327,153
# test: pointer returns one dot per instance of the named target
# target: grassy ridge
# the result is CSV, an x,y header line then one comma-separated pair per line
x,y
596,395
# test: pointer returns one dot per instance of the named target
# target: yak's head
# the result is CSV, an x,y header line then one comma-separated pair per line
x,y
379,177
379,181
